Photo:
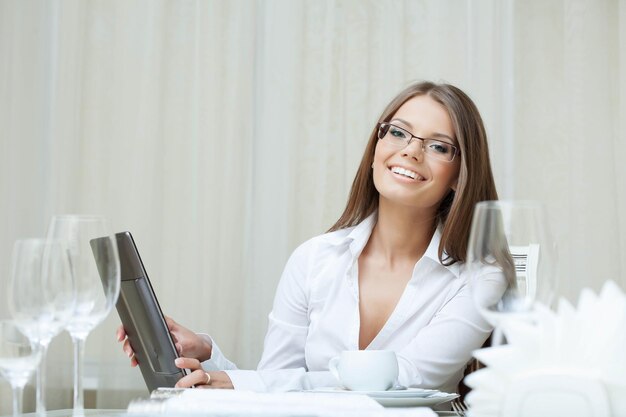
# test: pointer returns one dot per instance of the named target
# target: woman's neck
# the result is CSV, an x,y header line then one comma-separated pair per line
x,y
401,233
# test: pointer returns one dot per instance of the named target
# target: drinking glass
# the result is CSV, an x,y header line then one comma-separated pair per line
x,y
41,296
512,260
18,360
96,291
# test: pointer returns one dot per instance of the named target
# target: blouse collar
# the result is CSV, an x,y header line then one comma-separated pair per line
x,y
358,236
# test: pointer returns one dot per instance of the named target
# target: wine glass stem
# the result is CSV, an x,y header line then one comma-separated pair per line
x,y
17,400
41,380
79,356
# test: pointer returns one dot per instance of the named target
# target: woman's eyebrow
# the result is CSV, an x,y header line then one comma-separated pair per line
x,y
435,135
442,136
402,121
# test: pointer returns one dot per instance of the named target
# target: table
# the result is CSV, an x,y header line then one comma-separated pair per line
x,y
122,413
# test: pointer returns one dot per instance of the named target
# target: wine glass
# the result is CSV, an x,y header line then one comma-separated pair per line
x,y
96,291
512,260
18,360
41,296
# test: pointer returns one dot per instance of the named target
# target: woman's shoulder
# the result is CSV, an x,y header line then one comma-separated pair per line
x,y
333,247
328,241
468,271
317,251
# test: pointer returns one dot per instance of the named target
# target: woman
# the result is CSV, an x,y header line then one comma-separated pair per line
x,y
389,274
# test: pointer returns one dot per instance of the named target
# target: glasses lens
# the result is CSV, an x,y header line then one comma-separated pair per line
x,y
438,149
394,135
432,148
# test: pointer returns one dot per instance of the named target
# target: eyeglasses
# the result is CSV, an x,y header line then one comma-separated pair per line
x,y
401,138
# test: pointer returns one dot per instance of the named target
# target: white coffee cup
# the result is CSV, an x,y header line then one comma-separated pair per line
x,y
365,370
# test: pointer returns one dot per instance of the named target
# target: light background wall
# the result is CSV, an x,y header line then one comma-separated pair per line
x,y
225,133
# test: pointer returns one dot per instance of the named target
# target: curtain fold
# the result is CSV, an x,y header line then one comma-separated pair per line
x,y
222,134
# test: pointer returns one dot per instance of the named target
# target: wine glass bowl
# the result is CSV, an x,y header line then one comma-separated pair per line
x,y
512,259
96,291
40,296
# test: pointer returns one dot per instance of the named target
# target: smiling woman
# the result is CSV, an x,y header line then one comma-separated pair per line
x,y
389,274
177,120
417,173
453,119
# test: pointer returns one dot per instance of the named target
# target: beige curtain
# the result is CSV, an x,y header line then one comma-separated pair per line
x,y
224,133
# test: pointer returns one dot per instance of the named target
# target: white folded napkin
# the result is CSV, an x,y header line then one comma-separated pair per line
x,y
566,361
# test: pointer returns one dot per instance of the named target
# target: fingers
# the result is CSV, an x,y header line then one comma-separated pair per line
x,y
201,379
120,333
130,353
128,349
122,337
219,380
174,328
197,377
188,363
171,324
188,343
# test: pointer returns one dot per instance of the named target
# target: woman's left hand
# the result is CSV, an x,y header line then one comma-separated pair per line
x,y
199,377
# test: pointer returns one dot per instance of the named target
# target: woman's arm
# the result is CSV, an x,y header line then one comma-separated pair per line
x,y
283,365
440,351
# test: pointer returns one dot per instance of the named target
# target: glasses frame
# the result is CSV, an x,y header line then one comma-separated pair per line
x,y
455,149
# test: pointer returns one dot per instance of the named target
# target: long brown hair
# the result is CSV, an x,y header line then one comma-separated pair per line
x,y
475,182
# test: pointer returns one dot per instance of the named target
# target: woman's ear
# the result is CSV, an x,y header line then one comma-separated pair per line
x,y
454,184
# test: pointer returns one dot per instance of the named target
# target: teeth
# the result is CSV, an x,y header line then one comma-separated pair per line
x,y
405,172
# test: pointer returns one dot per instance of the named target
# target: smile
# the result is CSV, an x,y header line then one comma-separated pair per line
x,y
407,173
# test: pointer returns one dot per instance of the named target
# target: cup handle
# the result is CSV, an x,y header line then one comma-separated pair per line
x,y
332,367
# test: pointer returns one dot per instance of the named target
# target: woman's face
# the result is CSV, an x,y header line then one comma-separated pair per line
x,y
432,178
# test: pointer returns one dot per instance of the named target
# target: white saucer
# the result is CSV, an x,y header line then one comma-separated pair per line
x,y
408,392
410,397
431,400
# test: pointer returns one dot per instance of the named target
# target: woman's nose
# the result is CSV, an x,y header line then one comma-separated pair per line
x,y
414,150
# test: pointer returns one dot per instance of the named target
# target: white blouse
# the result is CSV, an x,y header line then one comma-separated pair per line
x,y
433,329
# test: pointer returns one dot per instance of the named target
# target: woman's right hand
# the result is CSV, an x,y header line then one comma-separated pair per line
x,y
188,344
